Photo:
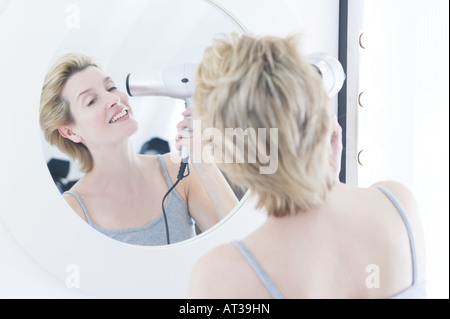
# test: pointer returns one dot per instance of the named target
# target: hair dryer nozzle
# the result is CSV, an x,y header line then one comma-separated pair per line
x,y
175,82
330,69
146,83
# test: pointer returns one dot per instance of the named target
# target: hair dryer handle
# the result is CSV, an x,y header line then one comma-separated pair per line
x,y
184,151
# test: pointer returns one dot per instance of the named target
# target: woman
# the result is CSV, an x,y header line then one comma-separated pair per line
x,y
322,238
88,118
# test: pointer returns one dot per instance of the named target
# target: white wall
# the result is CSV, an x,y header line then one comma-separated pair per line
x,y
403,128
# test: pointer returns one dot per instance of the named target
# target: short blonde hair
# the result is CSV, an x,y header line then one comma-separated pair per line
x,y
249,82
55,110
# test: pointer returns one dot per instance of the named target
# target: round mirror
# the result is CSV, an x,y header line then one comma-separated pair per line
x,y
140,37
125,37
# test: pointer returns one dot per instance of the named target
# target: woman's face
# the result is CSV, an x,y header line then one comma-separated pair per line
x,y
102,115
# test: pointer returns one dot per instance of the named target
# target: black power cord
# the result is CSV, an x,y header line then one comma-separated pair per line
x,y
183,167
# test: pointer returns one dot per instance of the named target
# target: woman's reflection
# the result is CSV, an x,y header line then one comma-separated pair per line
x,y
88,118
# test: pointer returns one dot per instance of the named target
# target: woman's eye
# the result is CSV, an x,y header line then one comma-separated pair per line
x,y
92,102
112,89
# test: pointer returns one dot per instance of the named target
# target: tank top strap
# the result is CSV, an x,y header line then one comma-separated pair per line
x,y
268,283
405,219
83,206
164,169
174,193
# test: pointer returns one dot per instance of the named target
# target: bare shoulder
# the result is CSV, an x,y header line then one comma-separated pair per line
x,y
172,163
408,202
75,205
172,159
403,195
406,199
218,274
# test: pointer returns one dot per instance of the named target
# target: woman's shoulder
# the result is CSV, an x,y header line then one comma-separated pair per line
x,y
393,186
395,199
168,163
171,161
219,273
406,199
402,194
217,259
74,202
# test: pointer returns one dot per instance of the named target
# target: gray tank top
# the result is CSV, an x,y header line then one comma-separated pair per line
x,y
180,222
415,291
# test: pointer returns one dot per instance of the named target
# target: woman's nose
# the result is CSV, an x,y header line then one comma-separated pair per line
x,y
113,100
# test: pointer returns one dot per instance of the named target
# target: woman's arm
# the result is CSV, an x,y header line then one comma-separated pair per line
x,y
206,191
210,197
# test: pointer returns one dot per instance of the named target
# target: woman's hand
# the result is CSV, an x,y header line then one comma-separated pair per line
x,y
208,189
185,132
192,141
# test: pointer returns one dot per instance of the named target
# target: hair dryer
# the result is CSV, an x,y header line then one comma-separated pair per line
x,y
175,82
179,81
330,69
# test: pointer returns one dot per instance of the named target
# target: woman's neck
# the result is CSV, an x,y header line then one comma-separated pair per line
x,y
312,216
116,168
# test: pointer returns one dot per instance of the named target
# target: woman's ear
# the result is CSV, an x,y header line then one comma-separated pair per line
x,y
336,144
66,132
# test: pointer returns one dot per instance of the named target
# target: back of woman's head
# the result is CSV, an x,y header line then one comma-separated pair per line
x,y
249,83
55,110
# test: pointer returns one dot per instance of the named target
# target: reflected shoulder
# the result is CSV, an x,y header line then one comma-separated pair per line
x,y
172,162
75,205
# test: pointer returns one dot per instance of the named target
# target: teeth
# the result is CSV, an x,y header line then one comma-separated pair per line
x,y
120,115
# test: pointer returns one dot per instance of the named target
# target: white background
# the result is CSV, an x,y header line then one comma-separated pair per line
x,y
403,127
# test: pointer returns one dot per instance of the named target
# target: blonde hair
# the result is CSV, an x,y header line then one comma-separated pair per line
x,y
55,110
249,82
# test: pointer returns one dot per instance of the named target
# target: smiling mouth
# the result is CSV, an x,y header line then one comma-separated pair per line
x,y
119,116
